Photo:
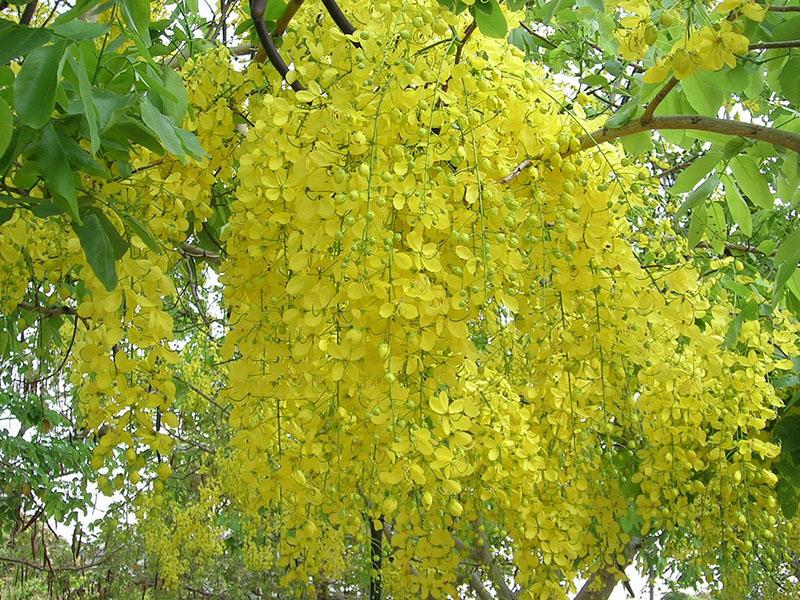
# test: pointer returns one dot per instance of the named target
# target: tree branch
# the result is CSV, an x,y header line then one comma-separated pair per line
x,y
751,131
193,251
257,9
27,14
783,8
609,577
48,311
659,97
477,585
338,17
38,567
774,45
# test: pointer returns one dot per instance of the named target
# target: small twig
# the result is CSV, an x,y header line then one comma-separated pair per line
x,y
201,393
197,445
517,170
291,9
48,311
38,567
539,37
679,167
657,99
783,8
242,50
464,40
193,251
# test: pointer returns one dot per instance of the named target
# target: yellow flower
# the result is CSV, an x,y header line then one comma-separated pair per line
x,y
751,10
657,73
716,48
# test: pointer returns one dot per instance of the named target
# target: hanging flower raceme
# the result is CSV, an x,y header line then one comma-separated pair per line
x,y
441,354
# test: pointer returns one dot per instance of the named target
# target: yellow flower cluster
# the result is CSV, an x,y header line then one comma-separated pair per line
x,y
181,539
636,31
709,48
420,343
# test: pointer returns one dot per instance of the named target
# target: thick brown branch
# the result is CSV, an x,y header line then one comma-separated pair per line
x,y
257,9
477,585
608,578
775,45
28,13
650,110
751,131
338,17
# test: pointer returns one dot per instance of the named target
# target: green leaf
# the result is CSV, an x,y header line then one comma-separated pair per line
x,y
716,230
787,498
789,249
705,99
732,148
631,523
56,171
80,159
790,80
176,104
90,111
695,172
623,115
6,126
162,127
789,29
702,192
275,10
737,288
785,271
549,10
118,243
752,182
637,144
787,179
191,144
793,284
143,232
17,40
36,84
136,14
98,250
6,214
740,212
697,225
490,19
78,30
